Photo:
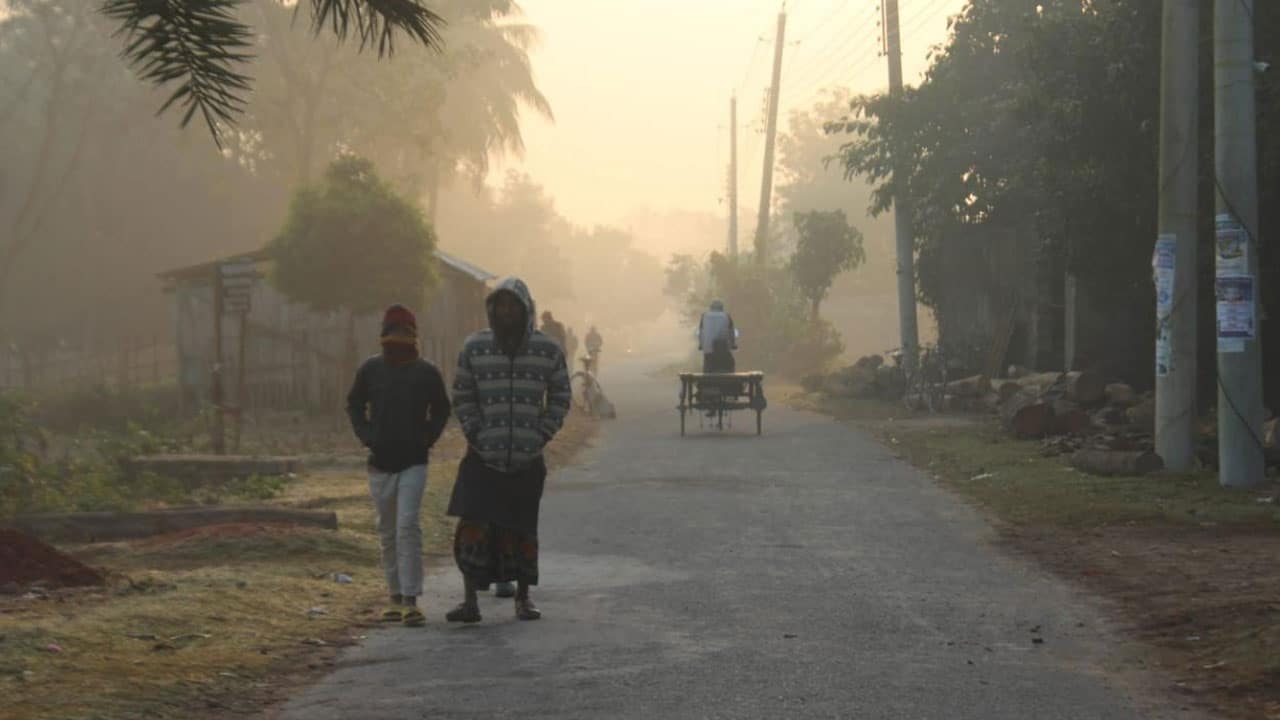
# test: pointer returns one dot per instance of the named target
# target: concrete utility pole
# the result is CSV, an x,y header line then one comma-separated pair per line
x,y
1240,453
766,180
1174,259
733,176
901,206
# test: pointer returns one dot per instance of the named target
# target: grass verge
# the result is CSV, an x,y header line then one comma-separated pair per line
x,y
1188,564
219,620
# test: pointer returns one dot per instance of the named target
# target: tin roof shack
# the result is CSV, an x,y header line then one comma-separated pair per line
x,y
296,358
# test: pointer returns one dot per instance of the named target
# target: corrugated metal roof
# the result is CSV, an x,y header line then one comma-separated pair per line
x,y
460,265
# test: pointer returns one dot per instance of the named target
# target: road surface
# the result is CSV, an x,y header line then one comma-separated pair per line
x,y
803,574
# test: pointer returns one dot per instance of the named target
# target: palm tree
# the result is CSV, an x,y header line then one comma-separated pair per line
x,y
202,46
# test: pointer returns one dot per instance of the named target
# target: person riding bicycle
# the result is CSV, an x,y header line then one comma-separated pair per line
x,y
594,344
717,339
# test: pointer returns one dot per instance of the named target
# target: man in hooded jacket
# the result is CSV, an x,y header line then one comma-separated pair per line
x,y
511,394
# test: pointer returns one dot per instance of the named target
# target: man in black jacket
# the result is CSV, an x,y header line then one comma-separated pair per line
x,y
398,407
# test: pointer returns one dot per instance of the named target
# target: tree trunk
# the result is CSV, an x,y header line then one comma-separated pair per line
x,y
1027,416
1121,395
1116,462
970,387
1086,387
1006,389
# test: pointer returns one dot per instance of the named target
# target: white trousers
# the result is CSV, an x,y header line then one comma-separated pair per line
x,y
397,497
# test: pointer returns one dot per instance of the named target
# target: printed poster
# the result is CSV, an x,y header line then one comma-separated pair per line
x,y
1236,318
1163,262
1163,266
1231,245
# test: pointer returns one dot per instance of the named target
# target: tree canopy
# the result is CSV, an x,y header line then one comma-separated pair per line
x,y
827,246
352,243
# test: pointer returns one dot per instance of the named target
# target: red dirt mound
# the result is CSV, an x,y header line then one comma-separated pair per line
x,y
24,560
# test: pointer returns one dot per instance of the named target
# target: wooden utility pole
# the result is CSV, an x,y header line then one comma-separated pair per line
x,y
733,176
1174,259
241,395
1240,413
910,338
771,131
215,384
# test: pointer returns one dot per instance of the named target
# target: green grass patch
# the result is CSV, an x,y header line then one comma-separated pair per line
x,y
978,459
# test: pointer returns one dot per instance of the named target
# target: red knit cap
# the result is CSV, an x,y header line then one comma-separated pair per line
x,y
398,316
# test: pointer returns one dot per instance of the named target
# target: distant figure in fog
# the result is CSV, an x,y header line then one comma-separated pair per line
x,y
554,329
571,345
595,344
717,339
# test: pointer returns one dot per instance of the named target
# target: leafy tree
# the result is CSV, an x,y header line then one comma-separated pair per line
x,y
203,46
351,243
681,273
827,246
1038,120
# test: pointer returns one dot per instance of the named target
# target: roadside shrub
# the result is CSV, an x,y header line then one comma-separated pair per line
x,y
91,470
107,408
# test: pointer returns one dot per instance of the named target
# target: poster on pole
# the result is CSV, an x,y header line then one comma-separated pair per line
x,y
1164,350
1231,247
1163,266
1236,317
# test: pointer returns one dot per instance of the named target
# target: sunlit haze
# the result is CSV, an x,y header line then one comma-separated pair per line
x,y
643,123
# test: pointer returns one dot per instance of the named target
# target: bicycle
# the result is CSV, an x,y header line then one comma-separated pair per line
x,y
587,393
926,383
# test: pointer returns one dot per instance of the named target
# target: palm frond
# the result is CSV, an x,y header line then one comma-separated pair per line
x,y
195,43
376,21
200,44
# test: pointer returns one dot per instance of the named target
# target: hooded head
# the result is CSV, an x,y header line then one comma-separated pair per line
x,y
511,313
399,334
717,306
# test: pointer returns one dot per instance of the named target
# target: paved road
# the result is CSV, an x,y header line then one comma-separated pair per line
x,y
804,574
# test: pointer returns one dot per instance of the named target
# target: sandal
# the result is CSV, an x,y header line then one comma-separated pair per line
x,y
413,617
395,613
464,613
526,610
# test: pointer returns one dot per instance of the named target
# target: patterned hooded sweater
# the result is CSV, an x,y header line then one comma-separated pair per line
x,y
511,405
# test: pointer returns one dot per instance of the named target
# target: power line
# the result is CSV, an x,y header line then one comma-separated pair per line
x,y
840,32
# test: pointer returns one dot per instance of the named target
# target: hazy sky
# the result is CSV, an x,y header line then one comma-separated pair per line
x,y
641,90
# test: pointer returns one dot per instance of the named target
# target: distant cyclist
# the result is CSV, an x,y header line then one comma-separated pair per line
x,y
717,339
594,344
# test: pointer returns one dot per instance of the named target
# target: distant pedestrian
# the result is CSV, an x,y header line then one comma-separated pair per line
x,y
554,329
398,407
511,395
571,346
595,344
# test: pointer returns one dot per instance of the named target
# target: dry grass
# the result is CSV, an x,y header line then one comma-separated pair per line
x,y
217,620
